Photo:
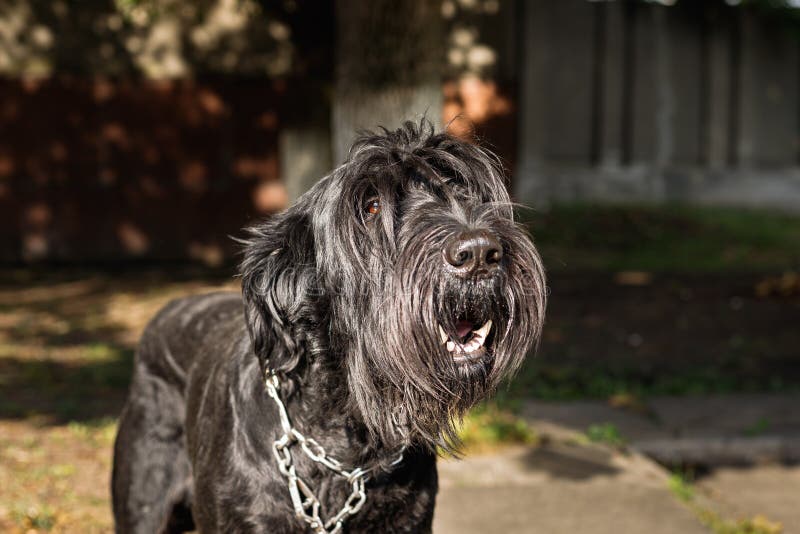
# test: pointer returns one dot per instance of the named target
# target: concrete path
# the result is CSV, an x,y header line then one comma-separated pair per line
x,y
772,491
710,430
747,442
558,488
568,485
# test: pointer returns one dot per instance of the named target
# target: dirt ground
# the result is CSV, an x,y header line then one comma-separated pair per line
x,y
67,342
644,334
66,346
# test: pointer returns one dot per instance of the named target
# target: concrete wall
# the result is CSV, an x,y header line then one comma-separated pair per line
x,y
634,101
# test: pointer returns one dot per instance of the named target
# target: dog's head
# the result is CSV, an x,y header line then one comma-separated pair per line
x,y
401,280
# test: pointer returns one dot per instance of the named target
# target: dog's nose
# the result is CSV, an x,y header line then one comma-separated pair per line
x,y
474,253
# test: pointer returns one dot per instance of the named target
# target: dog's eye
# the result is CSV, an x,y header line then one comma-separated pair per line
x,y
373,207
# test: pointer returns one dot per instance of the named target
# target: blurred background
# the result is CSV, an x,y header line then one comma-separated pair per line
x,y
654,148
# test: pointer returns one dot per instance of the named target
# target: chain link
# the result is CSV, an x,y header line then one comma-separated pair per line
x,y
305,503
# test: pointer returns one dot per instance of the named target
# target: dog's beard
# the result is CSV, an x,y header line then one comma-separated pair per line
x,y
433,344
355,301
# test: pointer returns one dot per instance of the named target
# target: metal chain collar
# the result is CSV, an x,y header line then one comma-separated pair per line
x,y
305,503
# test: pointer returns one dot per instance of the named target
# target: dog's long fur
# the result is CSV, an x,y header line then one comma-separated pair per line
x,y
345,306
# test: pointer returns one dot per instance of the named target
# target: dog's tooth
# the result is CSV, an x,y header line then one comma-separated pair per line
x,y
485,329
451,346
475,343
443,334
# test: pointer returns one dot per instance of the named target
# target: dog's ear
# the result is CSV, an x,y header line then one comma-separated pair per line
x,y
280,289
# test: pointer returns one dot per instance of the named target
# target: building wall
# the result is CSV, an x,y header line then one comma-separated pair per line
x,y
635,101
135,133
94,170
123,137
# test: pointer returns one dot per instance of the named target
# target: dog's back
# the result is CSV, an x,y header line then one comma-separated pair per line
x,y
150,460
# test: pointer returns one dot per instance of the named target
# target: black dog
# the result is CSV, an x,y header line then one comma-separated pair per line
x,y
389,299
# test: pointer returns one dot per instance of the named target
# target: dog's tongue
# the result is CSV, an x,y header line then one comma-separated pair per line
x,y
463,328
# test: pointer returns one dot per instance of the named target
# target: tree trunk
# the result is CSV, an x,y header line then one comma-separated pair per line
x,y
304,142
389,61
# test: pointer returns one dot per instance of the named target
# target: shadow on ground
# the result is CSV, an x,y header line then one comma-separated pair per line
x,y
63,392
67,340
570,462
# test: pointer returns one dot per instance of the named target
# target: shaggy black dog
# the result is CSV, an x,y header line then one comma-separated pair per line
x,y
389,299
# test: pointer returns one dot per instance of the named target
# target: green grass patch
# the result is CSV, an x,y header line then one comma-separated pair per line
x,y
681,486
489,426
757,524
758,428
606,433
102,352
564,382
41,517
680,239
100,431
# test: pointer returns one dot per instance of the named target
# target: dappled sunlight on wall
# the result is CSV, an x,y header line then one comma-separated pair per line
x,y
159,39
106,170
481,74
482,110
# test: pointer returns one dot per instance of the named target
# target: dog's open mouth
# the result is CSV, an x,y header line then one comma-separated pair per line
x,y
468,342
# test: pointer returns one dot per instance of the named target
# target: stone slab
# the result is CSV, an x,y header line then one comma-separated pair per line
x,y
558,488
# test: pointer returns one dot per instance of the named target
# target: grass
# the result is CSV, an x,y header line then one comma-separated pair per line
x,y
490,426
564,382
613,268
36,518
681,486
59,476
758,428
607,434
674,239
